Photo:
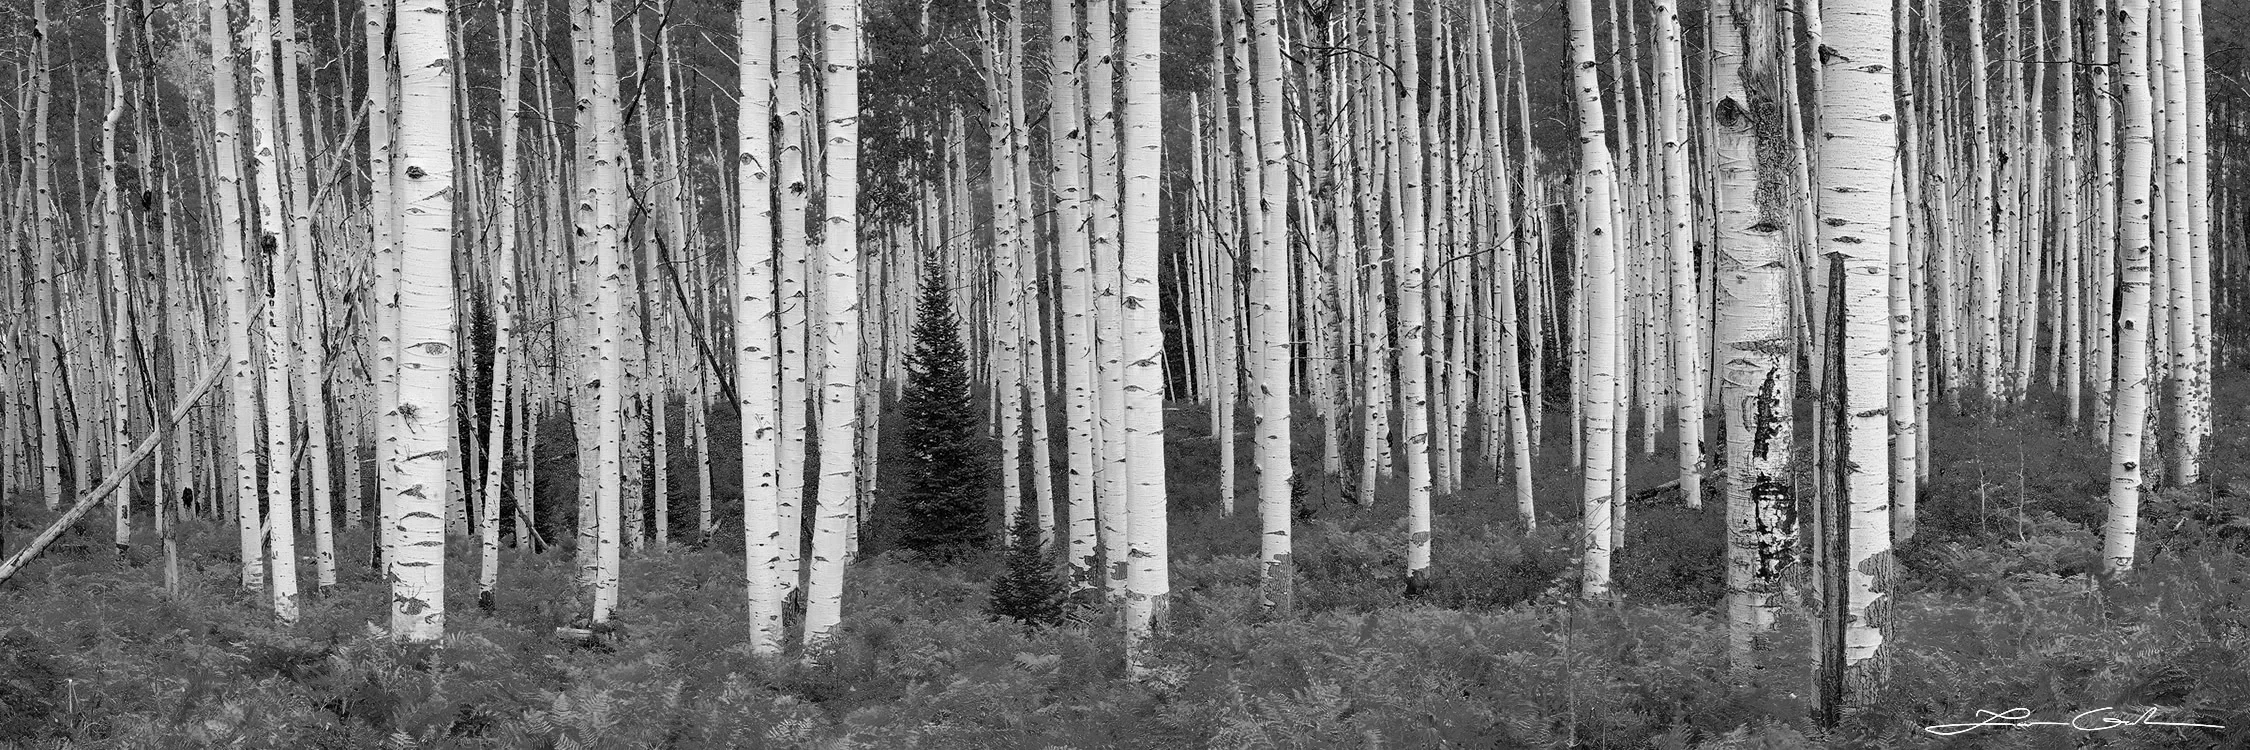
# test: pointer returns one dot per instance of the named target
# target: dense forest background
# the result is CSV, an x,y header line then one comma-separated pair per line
x,y
148,638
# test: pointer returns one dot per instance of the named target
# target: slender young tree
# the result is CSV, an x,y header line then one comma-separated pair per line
x,y
273,242
307,350
840,329
757,384
1415,349
235,269
48,344
2130,393
503,307
1679,254
1067,141
113,257
1271,282
1600,332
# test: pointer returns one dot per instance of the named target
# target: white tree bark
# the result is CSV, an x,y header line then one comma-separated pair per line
x,y
1113,507
1686,307
235,267
2190,415
1858,162
1068,144
2130,392
113,256
1413,294
1600,292
1270,272
757,376
839,243
308,348
605,355
281,306
424,410
1142,350
1753,336
503,311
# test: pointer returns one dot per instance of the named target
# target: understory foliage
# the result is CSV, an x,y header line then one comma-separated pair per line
x,y
944,456
1997,609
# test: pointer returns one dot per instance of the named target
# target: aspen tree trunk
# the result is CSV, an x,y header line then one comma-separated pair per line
x,y
1142,348
2107,199
48,341
1753,326
2189,416
824,587
1009,373
1508,335
1067,142
2130,392
2067,192
1376,340
1904,356
602,165
307,349
1034,318
1939,170
1115,492
2193,67
281,304
503,309
757,372
1412,310
113,255
424,411
1859,151
235,265
382,221
1909,358
795,309
2021,257
1249,233
1687,341
1271,283
1601,331
1985,271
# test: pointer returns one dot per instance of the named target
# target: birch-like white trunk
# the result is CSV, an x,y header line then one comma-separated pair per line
x,y
2130,392
1068,144
1686,303
1600,332
1271,283
503,312
1858,161
839,244
757,370
1148,583
424,410
1752,333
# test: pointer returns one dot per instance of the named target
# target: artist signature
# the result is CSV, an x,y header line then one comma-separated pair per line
x,y
2086,721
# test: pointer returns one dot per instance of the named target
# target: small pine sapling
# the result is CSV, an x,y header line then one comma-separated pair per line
x,y
1031,588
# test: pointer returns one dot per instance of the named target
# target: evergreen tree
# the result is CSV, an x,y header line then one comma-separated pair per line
x,y
1031,589
947,463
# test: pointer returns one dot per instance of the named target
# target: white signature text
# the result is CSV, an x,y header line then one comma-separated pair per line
x,y
2099,719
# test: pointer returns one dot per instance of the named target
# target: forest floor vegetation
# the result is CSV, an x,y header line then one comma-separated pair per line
x,y
1998,607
